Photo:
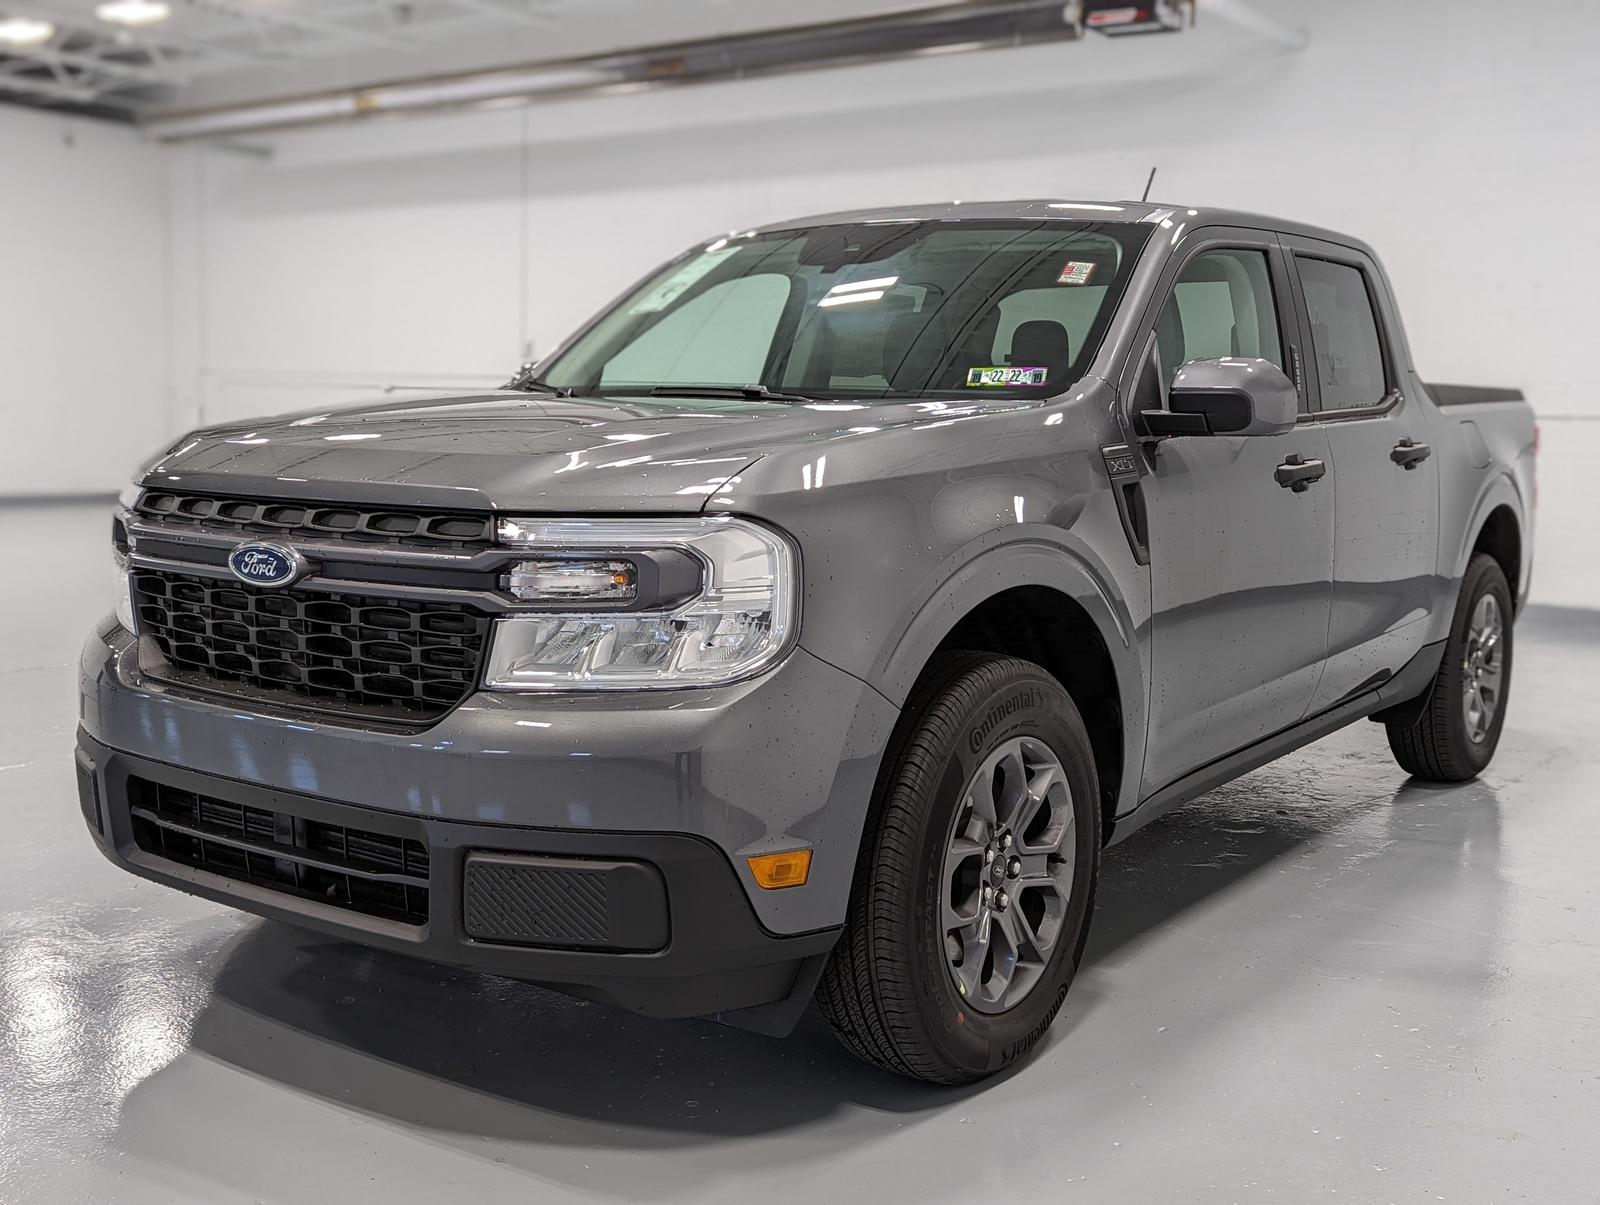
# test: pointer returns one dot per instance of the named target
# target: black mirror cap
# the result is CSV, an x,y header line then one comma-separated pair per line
x,y
1225,410
1160,424
1236,396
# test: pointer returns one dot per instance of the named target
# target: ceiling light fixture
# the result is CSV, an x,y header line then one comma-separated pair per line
x,y
25,31
133,13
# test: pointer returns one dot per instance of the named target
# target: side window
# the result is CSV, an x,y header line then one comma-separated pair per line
x,y
1344,334
1222,305
720,338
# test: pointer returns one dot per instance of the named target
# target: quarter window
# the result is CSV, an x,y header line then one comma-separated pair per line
x,y
1344,334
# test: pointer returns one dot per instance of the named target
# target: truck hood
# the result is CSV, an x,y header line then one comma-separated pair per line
x,y
519,451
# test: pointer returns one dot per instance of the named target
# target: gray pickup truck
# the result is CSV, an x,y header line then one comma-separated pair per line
x,y
806,625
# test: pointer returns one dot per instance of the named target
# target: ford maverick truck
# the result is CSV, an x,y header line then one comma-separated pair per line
x,y
808,623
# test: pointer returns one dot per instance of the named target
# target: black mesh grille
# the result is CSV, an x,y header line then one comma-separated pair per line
x,y
535,904
375,873
392,657
323,521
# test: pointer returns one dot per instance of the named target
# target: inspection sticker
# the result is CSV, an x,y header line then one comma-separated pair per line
x,y
1002,376
1077,272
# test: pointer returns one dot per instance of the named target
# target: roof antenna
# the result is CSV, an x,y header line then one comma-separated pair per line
x,y
1147,185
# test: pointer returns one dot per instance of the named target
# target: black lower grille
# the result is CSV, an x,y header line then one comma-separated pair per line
x,y
387,657
378,874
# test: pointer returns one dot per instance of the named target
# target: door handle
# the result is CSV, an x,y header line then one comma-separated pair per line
x,y
1409,455
1297,474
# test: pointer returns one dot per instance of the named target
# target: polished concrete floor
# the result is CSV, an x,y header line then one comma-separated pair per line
x,y
1319,983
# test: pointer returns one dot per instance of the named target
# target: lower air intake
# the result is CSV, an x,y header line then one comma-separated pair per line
x,y
378,874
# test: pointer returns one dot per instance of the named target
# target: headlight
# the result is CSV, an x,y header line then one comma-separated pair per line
x,y
644,603
122,584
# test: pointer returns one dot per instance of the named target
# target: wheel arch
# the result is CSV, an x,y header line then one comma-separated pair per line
x,y
1500,536
1039,603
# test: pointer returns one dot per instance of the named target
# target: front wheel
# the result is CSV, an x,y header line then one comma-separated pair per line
x,y
976,880
1455,736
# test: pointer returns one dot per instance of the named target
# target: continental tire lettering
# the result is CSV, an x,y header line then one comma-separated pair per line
x,y
1021,1047
998,714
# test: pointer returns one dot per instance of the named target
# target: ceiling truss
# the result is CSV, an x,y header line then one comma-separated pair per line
x,y
93,67
89,64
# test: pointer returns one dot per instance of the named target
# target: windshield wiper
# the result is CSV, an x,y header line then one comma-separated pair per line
x,y
754,392
525,382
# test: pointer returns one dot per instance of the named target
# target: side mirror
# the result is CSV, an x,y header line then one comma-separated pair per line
x,y
1227,396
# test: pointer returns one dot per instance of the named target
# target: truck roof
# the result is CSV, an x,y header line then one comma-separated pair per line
x,y
1063,209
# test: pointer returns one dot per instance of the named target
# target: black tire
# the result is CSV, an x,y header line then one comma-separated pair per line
x,y
888,991
1438,745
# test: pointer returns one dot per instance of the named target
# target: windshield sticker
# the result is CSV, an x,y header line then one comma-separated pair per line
x,y
674,286
1077,272
989,378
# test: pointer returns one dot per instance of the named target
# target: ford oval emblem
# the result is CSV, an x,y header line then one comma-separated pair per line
x,y
266,564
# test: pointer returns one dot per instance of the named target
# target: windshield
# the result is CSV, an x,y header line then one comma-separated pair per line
x,y
867,311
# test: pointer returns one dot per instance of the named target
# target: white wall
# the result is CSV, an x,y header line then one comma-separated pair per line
x,y
437,252
435,249
83,304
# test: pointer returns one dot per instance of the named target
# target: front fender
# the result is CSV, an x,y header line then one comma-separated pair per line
x,y
904,530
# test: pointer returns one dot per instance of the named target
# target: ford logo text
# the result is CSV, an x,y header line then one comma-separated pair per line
x,y
265,564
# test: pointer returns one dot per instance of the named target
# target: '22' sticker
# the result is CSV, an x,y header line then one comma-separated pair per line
x,y
979,378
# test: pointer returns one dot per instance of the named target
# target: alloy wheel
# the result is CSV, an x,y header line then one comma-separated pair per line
x,y
1483,669
1008,874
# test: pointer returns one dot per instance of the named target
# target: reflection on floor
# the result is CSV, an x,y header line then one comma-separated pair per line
x,y
1318,981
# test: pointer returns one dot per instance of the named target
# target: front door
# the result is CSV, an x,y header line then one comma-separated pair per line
x,y
1241,566
1385,480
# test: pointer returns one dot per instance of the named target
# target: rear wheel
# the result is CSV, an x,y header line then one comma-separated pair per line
x,y
1456,734
976,881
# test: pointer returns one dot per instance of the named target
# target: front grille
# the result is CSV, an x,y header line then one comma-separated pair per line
x,y
322,521
398,658
378,874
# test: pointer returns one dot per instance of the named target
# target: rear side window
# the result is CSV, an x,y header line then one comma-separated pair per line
x,y
1222,305
1344,334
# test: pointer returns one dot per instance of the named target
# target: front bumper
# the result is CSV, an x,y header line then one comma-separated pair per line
x,y
690,783
779,762
709,955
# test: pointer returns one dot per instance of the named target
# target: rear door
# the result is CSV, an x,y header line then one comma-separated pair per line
x,y
1385,480
1241,567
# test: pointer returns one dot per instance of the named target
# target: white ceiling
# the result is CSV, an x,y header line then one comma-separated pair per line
x,y
212,52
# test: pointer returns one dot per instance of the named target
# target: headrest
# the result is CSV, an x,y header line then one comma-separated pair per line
x,y
1042,344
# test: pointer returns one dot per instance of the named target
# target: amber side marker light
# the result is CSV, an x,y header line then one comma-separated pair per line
x,y
788,869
